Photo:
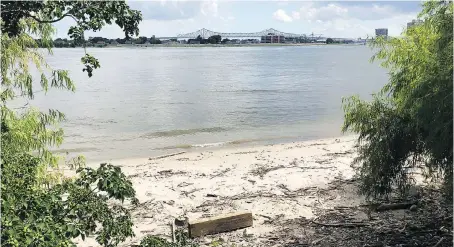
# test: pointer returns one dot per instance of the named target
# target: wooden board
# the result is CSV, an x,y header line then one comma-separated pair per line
x,y
222,223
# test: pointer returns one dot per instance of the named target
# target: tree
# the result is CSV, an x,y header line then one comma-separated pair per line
x,y
120,41
215,39
142,40
95,40
154,40
329,41
410,122
87,15
40,207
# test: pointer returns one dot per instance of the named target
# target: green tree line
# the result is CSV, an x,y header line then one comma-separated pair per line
x,y
97,41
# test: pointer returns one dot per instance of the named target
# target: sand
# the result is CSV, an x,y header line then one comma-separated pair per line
x,y
280,181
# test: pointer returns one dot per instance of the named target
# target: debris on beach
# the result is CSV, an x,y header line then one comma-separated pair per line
x,y
218,224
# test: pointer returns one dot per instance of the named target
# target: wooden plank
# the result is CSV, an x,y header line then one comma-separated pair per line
x,y
218,224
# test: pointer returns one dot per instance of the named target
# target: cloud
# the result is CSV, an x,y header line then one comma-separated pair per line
x,y
282,2
166,10
374,12
281,15
333,11
347,19
167,18
209,8
296,15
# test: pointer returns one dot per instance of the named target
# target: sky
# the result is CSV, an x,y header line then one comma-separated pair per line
x,y
337,19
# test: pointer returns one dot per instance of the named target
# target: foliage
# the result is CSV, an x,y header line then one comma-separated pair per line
x,y
90,63
181,237
142,40
329,41
32,131
88,15
39,207
154,40
215,39
36,216
408,123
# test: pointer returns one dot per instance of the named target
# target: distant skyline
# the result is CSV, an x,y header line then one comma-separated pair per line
x,y
350,19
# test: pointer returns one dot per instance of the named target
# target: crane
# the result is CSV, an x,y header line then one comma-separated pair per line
x,y
315,36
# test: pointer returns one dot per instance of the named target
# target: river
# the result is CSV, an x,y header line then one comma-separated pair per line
x,y
149,101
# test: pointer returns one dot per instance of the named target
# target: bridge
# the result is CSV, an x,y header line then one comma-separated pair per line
x,y
205,33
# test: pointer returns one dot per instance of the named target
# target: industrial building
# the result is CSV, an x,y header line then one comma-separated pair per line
x,y
272,38
379,32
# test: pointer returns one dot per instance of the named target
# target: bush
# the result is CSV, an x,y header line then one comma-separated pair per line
x,y
181,237
409,123
37,216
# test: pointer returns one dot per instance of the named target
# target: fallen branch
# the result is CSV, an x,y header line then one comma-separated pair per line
x,y
165,156
187,193
172,225
439,242
262,170
184,184
346,224
394,206
264,216
220,173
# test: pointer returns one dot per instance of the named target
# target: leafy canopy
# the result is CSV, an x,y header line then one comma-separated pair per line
x,y
36,216
39,207
409,123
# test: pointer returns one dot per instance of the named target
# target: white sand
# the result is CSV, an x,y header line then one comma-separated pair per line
x,y
298,169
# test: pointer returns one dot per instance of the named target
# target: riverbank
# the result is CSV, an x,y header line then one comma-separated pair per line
x,y
289,188
273,181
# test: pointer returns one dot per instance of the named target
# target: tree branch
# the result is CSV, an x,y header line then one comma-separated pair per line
x,y
52,21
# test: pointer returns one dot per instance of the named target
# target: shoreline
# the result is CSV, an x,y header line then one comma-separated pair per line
x,y
211,45
272,181
217,146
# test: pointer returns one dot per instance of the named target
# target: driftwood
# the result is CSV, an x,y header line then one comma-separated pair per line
x,y
165,156
346,224
394,206
439,242
172,225
187,193
223,223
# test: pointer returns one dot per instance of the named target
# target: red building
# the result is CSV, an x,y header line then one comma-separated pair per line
x,y
272,38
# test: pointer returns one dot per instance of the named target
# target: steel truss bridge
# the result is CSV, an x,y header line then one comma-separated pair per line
x,y
205,33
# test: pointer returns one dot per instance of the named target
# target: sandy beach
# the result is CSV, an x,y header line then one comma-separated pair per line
x,y
280,181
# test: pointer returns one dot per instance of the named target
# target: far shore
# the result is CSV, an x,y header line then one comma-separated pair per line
x,y
216,45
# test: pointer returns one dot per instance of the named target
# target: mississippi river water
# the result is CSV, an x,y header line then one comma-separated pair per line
x,y
149,101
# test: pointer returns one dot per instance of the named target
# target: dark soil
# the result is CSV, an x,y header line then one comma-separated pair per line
x,y
428,223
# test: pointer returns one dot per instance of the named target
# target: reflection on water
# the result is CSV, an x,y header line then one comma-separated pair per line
x,y
145,101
